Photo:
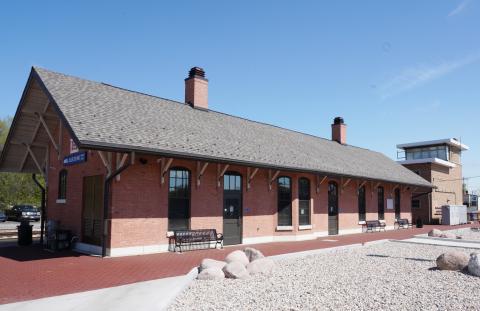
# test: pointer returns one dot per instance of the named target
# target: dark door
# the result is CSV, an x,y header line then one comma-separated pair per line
x,y
92,209
397,203
232,209
332,208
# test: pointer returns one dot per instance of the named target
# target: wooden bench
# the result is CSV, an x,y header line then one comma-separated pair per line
x,y
197,237
403,223
374,225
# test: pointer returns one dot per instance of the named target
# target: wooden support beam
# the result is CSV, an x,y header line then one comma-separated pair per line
x,y
34,158
200,171
271,178
32,139
320,182
360,185
220,172
106,160
343,185
45,127
165,164
250,175
120,162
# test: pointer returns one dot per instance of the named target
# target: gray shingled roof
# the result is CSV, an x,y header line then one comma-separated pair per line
x,y
103,115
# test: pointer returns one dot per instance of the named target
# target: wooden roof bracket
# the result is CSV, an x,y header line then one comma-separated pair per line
x,y
250,174
45,127
220,172
32,139
165,164
272,177
120,162
320,182
34,158
344,184
107,161
200,171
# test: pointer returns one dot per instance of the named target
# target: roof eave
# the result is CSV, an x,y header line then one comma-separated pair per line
x,y
95,145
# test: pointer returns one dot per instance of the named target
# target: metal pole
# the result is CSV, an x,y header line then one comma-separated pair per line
x,y
42,207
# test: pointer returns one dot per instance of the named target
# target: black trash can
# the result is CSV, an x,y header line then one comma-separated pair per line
x,y
24,233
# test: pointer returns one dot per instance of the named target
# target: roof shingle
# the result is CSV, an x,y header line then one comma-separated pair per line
x,y
104,115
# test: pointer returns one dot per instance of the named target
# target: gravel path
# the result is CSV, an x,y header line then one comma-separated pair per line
x,y
387,276
466,233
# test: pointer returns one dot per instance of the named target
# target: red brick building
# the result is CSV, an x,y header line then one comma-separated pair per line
x,y
124,169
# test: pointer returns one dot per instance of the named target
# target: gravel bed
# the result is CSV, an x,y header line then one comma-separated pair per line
x,y
466,233
386,276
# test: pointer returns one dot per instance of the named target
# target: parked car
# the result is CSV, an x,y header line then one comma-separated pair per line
x,y
23,212
3,217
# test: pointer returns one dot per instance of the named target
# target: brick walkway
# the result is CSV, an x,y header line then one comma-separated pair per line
x,y
30,273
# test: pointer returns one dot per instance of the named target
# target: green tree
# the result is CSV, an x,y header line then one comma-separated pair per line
x,y
16,188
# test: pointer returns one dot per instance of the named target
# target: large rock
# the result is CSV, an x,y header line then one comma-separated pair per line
x,y
237,256
253,254
452,261
212,273
235,270
261,266
474,264
210,263
435,233
448,235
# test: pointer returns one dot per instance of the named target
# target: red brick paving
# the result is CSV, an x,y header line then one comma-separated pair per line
x,y
30,273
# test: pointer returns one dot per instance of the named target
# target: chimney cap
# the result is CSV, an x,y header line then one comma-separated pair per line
x,y
196,72
338,120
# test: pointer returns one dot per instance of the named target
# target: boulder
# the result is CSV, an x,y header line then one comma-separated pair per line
x,y
237,256
435,233
448,235
261,266
452,261
474,264
253,254
212,273
235,270
210,263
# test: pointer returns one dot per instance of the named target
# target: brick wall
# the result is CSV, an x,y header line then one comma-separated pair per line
x,y
139,202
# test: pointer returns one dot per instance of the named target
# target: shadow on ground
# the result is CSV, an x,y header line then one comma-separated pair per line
x,y
32,252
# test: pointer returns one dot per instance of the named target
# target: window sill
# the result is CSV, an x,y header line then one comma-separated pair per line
x,y
305,227
284,228
61,201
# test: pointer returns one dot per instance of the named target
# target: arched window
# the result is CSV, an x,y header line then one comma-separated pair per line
x,y
62,185
304,201
381,203
397,203
361,204
179,199
284,201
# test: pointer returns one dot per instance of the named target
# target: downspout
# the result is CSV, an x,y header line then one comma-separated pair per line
x,y
42,207
106,202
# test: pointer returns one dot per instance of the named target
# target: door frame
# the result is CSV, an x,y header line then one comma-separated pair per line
x,y
234,173
82,218
328,208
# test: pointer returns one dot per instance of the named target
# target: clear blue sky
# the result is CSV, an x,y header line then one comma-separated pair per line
x,y
396,71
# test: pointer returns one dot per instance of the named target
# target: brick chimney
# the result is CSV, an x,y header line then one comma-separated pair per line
x,y
196,89
339,131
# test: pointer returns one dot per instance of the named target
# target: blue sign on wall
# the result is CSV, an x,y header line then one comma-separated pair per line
x,y
75,158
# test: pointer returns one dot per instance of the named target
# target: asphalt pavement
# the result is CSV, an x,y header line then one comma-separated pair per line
x,y
12,225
